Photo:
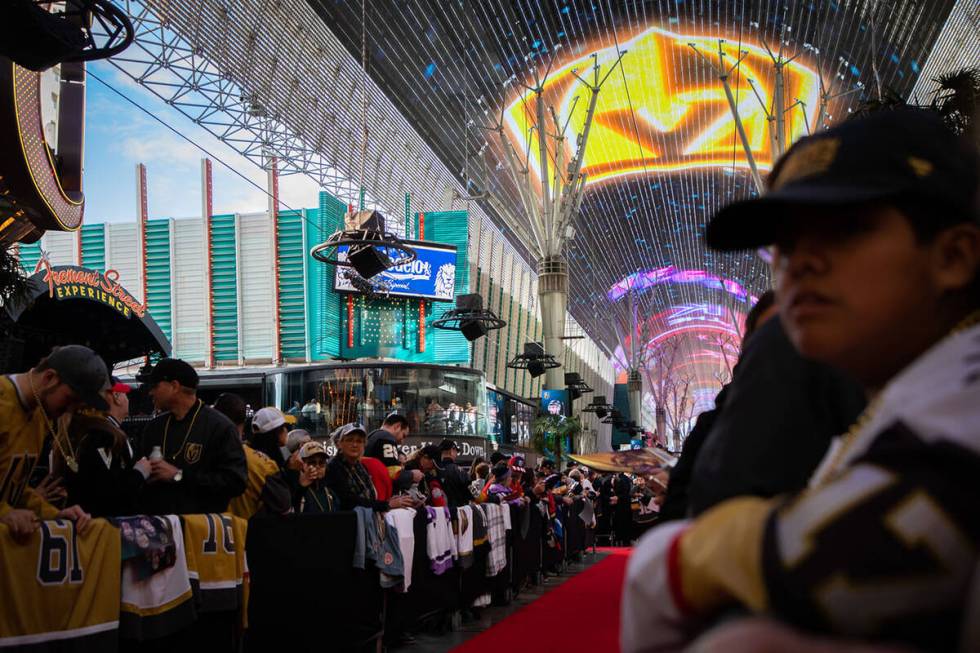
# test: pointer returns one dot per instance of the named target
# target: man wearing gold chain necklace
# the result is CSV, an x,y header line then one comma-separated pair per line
x,y
197,460
30,407
876,234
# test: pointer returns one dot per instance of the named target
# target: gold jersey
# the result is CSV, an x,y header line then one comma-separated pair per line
x,y
215,548
259,467
60,586
22,435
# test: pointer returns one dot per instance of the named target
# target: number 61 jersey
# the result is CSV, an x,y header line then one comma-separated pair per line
x,y
73,592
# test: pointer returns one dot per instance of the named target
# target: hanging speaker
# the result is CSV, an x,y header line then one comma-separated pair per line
x,y
535,368
368,260
473,329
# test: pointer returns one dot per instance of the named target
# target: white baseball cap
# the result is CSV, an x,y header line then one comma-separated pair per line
x,y
267,419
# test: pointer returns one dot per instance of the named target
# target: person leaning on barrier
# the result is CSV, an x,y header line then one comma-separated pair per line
x,y
430,487
197,461
383,443
314,496
348,478
454,480
108,481
30,407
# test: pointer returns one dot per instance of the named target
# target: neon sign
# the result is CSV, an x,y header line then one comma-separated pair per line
x,y
678,121
103,287
670,274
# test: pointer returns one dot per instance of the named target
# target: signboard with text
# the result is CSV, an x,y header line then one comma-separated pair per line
x,y
432,275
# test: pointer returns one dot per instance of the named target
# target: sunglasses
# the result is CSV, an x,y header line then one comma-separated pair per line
x,y
316,462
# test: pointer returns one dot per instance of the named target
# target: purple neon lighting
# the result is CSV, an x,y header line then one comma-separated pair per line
x,y
670,274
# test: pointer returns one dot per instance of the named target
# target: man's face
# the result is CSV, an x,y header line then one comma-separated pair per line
x,y
57,398
426,464
399,431
450,454
554,408
163,394
856,290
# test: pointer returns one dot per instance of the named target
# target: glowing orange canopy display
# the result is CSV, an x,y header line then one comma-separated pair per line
x,y
680,117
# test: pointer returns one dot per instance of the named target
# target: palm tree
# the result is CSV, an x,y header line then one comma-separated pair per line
x,y
956,100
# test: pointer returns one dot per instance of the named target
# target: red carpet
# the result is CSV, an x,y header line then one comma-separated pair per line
x,y
582,614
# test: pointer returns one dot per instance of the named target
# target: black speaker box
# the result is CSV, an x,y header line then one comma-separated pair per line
x,y
368,260
472,302
472,329
535,368
533,349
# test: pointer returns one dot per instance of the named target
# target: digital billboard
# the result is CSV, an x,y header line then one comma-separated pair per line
x,y
555,402
432,275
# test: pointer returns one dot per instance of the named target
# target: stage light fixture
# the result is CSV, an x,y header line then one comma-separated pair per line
x,y
369,247
469,318
534,360
599,406
36,38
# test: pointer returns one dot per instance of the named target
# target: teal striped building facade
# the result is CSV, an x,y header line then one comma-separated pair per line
x,y
241,290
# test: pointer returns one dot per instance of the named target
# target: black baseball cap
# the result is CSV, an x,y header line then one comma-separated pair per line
x,y
898,156
448,443
173,369
430,451
82,370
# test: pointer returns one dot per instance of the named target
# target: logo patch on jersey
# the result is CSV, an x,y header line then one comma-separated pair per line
x,y
193,453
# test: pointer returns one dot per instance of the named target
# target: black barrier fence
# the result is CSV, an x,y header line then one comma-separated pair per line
x,y
305,592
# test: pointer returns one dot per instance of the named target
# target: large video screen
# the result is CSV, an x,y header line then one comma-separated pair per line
x,y
555,402
432,275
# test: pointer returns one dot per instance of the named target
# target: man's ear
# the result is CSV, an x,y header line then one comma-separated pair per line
x,y
956,257
49,379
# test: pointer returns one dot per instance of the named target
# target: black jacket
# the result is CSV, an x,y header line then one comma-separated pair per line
x,y
455,482
338,478
212,461
779,415
106,483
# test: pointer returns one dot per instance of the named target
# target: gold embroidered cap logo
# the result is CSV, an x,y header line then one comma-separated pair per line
x,y
807,159
920,167
193,453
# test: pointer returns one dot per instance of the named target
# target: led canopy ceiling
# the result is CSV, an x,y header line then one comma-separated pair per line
x,y
664,152
691,116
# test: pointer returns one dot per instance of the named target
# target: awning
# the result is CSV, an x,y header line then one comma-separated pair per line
x,y
636,461
67,304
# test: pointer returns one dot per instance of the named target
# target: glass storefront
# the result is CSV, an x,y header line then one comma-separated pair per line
x,y
436,400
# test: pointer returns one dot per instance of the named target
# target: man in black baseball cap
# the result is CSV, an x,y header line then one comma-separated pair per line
x,y
876,257
197,460
30,406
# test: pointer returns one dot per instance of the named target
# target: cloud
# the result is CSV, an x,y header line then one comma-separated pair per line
x,y
160,149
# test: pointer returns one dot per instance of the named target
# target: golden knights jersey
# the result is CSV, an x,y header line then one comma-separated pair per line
x,y
260,467
215,548
60,589
884,544
21,436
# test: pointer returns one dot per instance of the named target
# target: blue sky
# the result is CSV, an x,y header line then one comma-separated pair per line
x,y
119,135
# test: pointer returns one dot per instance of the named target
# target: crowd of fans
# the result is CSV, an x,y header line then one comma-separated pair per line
x,y
198,458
